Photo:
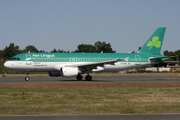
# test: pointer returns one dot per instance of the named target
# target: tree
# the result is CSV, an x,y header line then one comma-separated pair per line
x,y
41,51
59,51
98,47
177,54
1,56
31,48
103,46
62,51
170,54
10,51
85,48
54,51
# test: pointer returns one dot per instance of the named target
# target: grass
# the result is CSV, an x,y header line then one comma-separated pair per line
x,y
89,98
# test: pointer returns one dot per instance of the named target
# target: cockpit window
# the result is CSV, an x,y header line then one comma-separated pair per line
x,y
15,58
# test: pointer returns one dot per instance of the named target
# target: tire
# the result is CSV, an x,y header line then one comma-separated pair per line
x,y
79,77
26,78
88,78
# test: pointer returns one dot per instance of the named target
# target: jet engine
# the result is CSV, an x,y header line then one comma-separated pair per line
x,y
54,74
69,71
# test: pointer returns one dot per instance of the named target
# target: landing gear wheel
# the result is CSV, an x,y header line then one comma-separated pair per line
x,y
26,78
88,78
79,77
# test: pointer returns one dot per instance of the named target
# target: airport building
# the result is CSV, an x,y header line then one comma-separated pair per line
x,y
169,66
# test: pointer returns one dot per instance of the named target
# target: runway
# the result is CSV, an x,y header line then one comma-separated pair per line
x,y
105,79
95,117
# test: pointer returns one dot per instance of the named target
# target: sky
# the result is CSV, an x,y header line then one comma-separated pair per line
x,y
64,24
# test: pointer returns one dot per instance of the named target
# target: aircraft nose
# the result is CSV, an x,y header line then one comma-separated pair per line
x,y
7,64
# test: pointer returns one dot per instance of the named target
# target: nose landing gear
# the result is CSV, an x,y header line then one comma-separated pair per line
x,y
27,78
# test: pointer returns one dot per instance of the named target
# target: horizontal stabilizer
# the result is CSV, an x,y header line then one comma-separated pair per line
x,y
158,58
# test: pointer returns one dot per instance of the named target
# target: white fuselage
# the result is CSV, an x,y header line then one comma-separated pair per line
x,y
55,66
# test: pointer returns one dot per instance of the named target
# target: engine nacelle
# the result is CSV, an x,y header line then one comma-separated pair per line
x,y
69,71
98,69
54,74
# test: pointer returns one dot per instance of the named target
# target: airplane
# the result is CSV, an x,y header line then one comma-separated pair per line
x,y
75,64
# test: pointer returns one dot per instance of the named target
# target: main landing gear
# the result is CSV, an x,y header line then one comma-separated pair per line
x,y
79,77
88,77
27,77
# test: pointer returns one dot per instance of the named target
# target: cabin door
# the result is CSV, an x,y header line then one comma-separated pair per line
x,y
138,59
28,59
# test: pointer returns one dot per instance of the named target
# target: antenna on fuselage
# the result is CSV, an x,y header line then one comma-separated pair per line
x,y
29,51
101,51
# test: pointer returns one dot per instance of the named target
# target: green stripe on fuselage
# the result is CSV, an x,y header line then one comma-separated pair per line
x,y
83,57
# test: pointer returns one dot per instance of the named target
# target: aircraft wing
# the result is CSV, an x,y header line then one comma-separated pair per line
x,y
90,66
101,63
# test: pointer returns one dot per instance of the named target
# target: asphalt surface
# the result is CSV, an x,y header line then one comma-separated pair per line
x,y
113,79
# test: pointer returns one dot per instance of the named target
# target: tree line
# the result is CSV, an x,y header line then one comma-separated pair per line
x,y
173,56
9,51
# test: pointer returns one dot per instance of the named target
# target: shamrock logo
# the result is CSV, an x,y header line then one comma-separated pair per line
x,y
154,42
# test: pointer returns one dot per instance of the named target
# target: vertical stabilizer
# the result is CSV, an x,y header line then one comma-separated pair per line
x,y
154,43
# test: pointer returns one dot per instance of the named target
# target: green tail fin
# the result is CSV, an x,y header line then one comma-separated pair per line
x,y
154,43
